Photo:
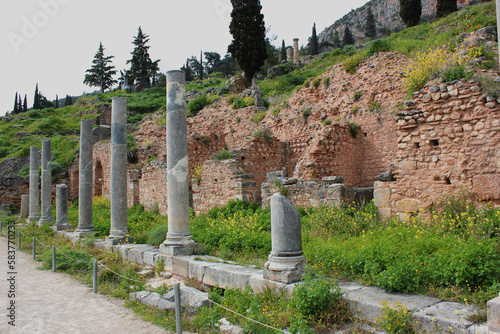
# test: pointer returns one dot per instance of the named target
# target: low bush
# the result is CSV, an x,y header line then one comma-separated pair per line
x,y
351,64
223,155
259,116
194,106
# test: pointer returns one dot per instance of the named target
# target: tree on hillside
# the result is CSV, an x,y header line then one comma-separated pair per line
x,y
410,11
336,40
101,73
200,71
15,110
57,101
314,42
142,67
25,104
68,101
283,50
188,71
247,27
445,7
36,99
370,28
194,66
348,39
227,65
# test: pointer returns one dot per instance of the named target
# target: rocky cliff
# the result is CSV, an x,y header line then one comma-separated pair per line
x,y
387,18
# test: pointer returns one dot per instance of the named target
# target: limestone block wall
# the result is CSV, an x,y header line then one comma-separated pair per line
x,y
448,141
101,162
153,186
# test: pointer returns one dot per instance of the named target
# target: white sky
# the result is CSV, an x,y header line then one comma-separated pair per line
x,y
53,42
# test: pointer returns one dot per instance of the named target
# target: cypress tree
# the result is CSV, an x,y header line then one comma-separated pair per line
x,y
410,11
36,99
370,28
201,65
142,67
445,7
57,102
247,27
283,50
100,74
19,104
314,41
68,101
336,40
15,110
25,105
347,39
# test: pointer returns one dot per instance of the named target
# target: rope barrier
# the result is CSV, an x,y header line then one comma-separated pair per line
x,y
241,315
130,279
69,257
41,243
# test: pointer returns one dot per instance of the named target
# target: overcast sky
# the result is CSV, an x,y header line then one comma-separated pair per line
x,y
53,42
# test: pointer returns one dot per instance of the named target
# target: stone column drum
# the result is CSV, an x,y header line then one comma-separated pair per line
x,y
85,226
296,51
34,206
178,241
62,208
289,54
46,195
286,263
119,231
25,202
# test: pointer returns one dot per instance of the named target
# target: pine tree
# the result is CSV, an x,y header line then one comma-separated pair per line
x,y
188,71
15,110
101,73
283,50
36,99
410,11
142,67
201,65
25,104
212,61
370,28
445,7
314,41
336,40
247,27
68,101
347,39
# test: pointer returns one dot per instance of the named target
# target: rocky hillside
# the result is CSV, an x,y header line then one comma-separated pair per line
x,y
387,18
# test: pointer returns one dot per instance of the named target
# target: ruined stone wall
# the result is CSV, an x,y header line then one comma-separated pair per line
x,y
448,141
153,186
101,164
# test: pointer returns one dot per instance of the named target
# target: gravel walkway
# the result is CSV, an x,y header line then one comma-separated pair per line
x,y
47,303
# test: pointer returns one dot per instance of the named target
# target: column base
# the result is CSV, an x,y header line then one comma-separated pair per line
x,y
79,233
118,240
179,250
33,219
61,227
45,221
284,269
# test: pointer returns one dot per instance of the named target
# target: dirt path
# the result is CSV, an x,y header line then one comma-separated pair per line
x,y
47,303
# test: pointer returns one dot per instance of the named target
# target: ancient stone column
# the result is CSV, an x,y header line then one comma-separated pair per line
x,y
296,51
85,226
498,27
46,193
25,202
119,231
34,205
178,239
62,208
289,54
286,263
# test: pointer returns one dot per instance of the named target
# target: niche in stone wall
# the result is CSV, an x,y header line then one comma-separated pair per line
x,y
434,142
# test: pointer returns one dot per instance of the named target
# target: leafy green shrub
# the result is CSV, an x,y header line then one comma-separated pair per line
x,y
489,86
379,45
395,319
455,73
327,122
306,112
194,106
261,133
374,106
249,101
357,95
353,129
316,82
276,110
259,116
351,64
25,171
34,114
307,83
231,99
157,235
223,155
326,81
354,109
238,104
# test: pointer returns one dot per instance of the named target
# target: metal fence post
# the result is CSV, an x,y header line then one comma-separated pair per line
x,y
18,239
94,277
53,259
178,319
34,254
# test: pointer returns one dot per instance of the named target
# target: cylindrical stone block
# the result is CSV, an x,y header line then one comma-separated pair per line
x,y
177,161
85,226
119,168
289,54
34,206
46,193
25,202
61,204
296,50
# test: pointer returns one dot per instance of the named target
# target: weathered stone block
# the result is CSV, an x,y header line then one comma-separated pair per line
x,y
494,315
408,205
382,197
487,186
